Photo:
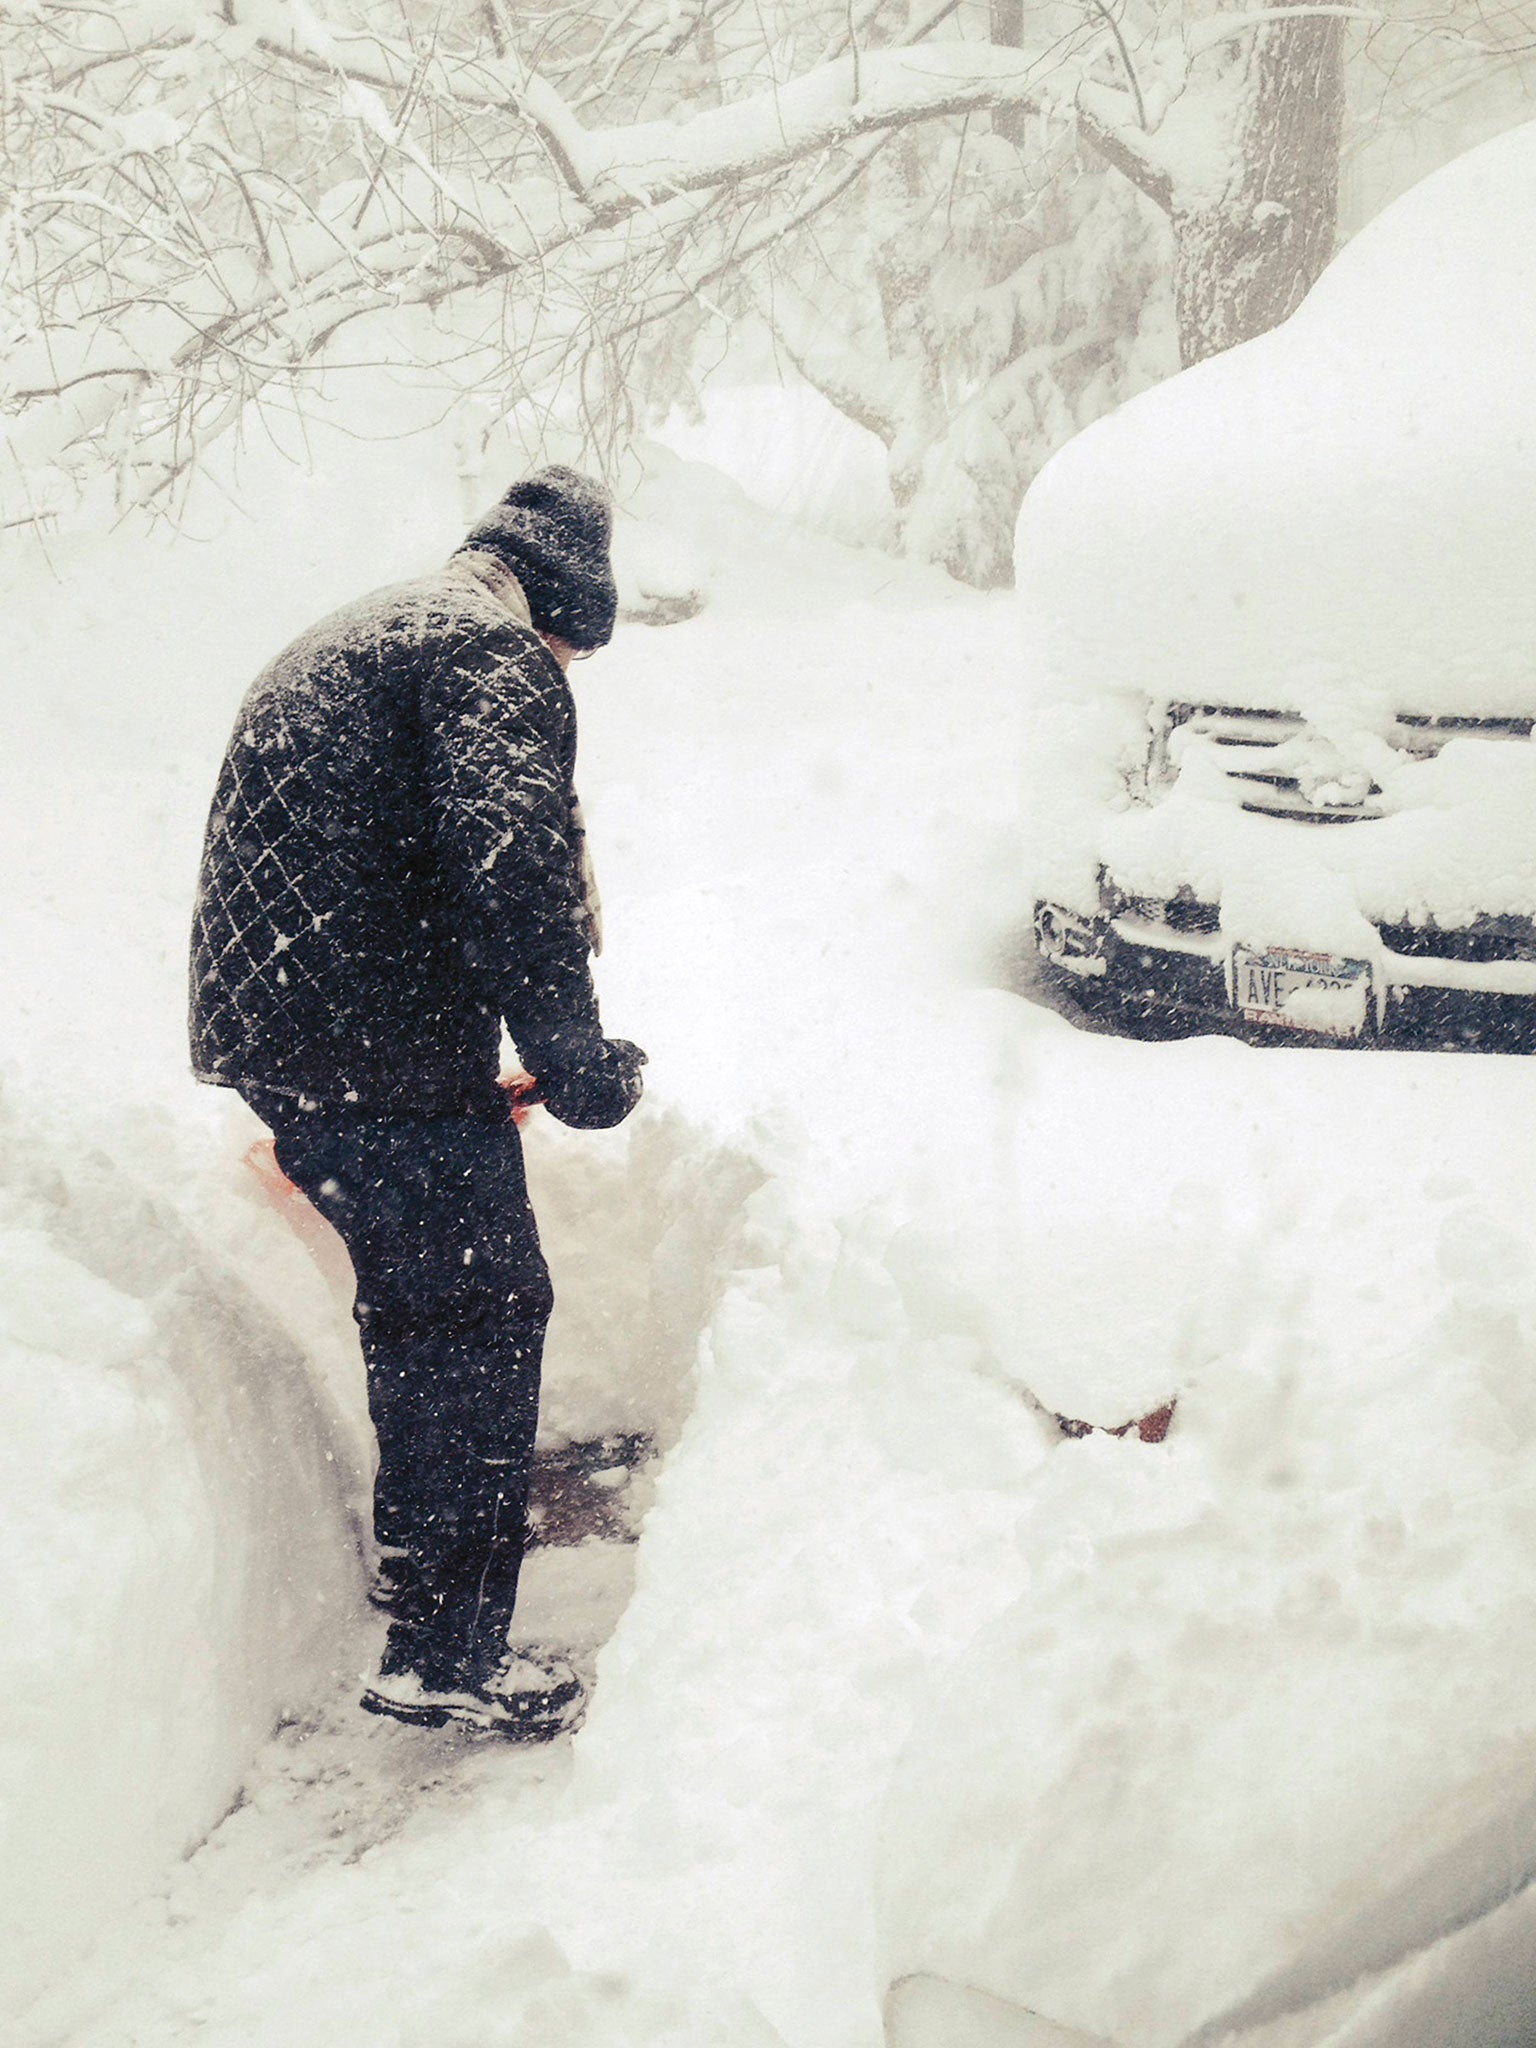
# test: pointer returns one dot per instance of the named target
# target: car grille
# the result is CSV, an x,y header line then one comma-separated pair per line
x,y
1281,768
1485,939
1253,746
1181,913
1437,731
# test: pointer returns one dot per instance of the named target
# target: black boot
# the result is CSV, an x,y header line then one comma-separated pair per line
x,y
527,1694
447,1656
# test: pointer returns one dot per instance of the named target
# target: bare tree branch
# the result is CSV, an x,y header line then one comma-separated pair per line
x,y
1130,152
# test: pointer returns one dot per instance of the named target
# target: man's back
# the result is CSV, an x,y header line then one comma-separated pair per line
x,y
389,853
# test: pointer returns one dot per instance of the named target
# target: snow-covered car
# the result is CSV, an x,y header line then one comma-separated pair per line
x,y
1280,614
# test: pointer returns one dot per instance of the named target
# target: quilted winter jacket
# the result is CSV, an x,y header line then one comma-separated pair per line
x,y
393,861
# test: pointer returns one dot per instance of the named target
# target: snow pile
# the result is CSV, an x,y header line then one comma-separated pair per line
x,y
1328,521
834,1523
1260,1720
1178,1731
635,1225
1343,500
178,1549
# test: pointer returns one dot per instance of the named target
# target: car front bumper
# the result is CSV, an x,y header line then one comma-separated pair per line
x,y
1152,969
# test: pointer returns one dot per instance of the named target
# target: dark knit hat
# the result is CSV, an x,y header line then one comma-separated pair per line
x,y
553,532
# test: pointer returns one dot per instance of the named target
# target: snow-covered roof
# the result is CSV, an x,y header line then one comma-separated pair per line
x,y
1348,503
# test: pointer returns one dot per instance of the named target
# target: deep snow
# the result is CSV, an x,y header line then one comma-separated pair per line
x,y
905,1681
1337,506
1332,520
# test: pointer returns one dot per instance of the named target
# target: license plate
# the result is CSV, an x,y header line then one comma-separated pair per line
x,y
1318,992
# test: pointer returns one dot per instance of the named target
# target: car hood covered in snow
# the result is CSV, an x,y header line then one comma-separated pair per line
x,y
1344,505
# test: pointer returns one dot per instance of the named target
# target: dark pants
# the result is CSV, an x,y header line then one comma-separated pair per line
x,y
453,1296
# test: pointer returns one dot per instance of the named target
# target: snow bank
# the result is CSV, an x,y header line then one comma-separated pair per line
x,y
634,1223
830,1526
178,1547
1259,1720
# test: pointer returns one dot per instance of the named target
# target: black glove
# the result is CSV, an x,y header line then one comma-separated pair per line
x,y
597,1088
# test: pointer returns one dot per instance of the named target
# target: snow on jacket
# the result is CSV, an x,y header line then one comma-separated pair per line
x,y
394,859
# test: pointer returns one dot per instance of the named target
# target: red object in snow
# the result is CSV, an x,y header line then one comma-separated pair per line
x,y
1154,1427
317,1236
522,1095
262,1160
1150,1428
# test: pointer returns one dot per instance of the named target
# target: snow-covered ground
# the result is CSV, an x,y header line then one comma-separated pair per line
x,y
898,1680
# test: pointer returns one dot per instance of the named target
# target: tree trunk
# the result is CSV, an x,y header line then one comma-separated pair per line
x,y
1248,255
1007,31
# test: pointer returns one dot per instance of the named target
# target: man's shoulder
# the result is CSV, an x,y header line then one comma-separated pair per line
x,y
440,607
423,634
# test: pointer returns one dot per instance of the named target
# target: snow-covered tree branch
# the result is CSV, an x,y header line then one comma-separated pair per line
x,y
204,194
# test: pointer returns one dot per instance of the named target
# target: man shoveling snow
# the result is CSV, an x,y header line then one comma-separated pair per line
x,y
395,865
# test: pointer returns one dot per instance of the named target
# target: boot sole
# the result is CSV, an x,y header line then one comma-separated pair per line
x,y
483,1721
